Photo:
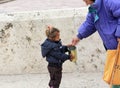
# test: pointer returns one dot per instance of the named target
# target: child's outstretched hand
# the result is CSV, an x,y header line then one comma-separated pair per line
x,y
71,57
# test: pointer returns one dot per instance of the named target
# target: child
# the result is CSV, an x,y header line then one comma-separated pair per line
x,y
55,55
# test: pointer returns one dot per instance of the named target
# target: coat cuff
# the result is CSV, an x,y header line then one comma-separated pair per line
x,y
79,36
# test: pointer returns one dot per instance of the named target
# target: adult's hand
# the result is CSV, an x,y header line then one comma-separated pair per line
x,y
118,40
75,40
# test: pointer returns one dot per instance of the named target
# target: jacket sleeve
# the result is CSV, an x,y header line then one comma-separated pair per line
x,y
64,49
87,28
59,55
45,50
114,8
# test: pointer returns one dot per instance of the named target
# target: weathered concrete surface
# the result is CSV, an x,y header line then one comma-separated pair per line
x,y
4,1
22,33
36,5
69,80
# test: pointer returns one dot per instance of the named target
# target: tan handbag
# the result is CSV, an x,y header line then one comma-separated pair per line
x,y
112,67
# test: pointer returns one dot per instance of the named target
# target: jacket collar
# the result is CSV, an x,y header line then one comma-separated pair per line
x,y
96,5
94,8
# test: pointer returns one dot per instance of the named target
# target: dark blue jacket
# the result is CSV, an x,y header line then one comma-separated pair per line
x,y
54,51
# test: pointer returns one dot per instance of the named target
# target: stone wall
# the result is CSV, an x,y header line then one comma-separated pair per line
x,y
4,1
22,33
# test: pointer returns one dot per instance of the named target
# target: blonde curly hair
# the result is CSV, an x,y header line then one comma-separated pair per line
x,y
51,32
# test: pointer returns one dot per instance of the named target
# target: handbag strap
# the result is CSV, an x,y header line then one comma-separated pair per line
x,y
116,59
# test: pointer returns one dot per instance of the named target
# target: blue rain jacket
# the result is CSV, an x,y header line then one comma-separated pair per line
x,y
104,17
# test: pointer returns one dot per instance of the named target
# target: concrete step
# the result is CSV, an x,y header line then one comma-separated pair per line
x,y
4,1
69,80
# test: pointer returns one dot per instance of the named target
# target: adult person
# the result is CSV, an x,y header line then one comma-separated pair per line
x,y
103,16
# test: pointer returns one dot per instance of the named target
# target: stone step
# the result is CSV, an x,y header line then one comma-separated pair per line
x,y
4,1
69,80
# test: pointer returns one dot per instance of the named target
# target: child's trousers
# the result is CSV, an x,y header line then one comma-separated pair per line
x,y
116,86
55,76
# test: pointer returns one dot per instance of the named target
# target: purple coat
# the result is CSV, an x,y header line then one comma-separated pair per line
x,y
104,17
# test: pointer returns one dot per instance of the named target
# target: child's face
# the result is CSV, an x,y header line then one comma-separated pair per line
x,y
57,38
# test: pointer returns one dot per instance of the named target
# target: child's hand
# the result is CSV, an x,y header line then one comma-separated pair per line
x,y
71,57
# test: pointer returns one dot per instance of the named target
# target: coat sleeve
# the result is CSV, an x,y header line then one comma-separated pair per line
x,y
59,55
64,49
114,8
87,28
45,50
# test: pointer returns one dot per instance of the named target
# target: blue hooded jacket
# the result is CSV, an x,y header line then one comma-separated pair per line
x,y
104,17
54,51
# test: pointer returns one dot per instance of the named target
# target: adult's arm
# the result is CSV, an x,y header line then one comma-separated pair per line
x,y
114,8
87,28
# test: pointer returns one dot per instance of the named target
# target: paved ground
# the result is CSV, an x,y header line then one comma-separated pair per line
x,y
69,80
28,5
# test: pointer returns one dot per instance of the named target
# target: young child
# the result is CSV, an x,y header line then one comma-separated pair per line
x,y
54,52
